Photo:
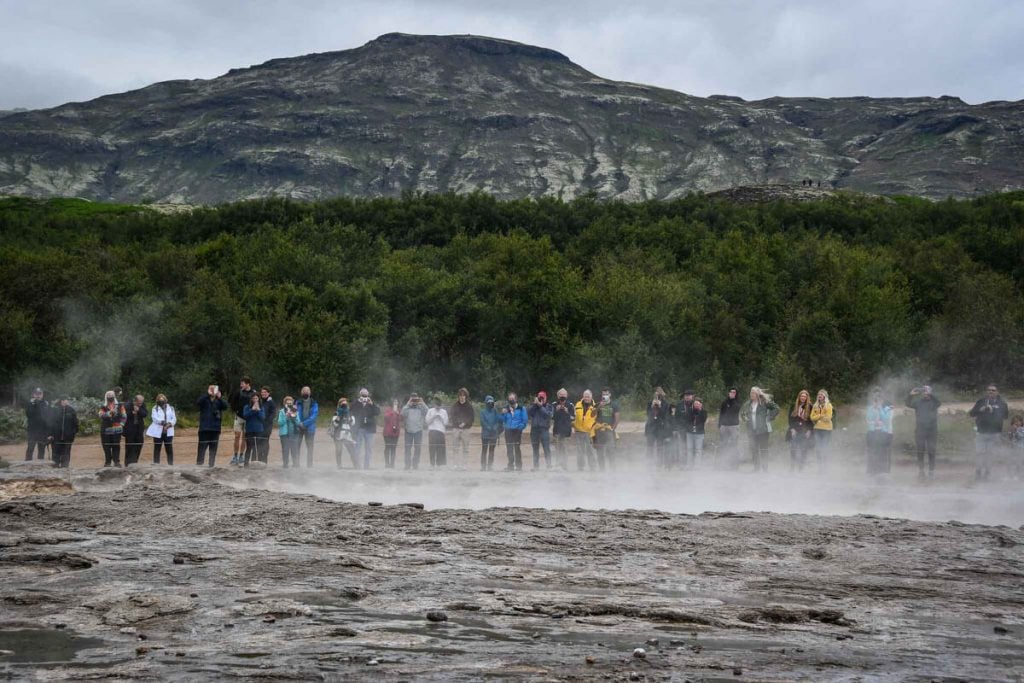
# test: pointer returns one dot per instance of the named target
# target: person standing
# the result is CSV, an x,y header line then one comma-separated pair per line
x,y
1016,438
564,413
269,418
341,433
729,429
365,414
679,418
604,430
925,405
308,410
541,414
161,428
391,430
491,425
758,413
658,425
989,413
112,417
65,427
462,418
694,421
801,431
821,415
135,430
879,436
514,419
437,424
583,426
240,400
211,415
288,431
254,415
37,417
414,421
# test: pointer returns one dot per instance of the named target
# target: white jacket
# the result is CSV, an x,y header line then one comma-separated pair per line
x,y
158,415
437,419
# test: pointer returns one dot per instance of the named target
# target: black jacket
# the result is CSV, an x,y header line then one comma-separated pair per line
x,y
926,413
659,420
365,416
65,424
37,414
990,421
135,425
729,413
563,419
461,414
240,399
801,425
269,417
693,420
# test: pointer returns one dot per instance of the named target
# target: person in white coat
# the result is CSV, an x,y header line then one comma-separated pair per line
x,y
437,424
162,429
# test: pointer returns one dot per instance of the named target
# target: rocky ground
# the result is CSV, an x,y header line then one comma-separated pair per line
x,y
188,574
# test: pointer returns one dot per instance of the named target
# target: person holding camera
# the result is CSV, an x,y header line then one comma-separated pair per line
x,y
758,413
583,431
693,423
414,421
925,405
37,417
135,430
561,427
822,414
658,430
729,429
341,433
604,430
269,418
391,430
491,425
211,410
288,431
254,415
989,413
161,428
879,437
112,416
541,414
801,431
514,419
365,414
437,438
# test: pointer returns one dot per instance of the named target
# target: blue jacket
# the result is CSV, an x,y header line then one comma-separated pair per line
x,y
286,426
540,416
308,421
516,419
253,420
211,411
491,423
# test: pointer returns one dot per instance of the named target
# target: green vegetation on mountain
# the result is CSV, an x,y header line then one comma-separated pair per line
x,y
437,291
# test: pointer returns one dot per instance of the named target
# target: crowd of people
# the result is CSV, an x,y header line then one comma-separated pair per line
x,y
674,431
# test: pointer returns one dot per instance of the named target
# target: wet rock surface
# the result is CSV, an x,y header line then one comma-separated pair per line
x,y
281,586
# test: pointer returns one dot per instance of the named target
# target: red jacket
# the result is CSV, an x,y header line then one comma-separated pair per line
x,y
392,420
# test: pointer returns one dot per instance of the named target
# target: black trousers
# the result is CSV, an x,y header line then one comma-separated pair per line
x,y
166,442
35,441
111,449
250,446
759,450
437,444
514,448
263,447
390,451
133,447
926,439
208,441
62,453
488,444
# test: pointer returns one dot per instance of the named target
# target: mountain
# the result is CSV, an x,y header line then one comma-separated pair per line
x,y
459,113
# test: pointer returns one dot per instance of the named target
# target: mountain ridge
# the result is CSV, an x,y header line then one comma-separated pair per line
x,y
460,113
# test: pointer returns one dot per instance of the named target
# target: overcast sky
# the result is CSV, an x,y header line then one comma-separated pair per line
x,y
54,51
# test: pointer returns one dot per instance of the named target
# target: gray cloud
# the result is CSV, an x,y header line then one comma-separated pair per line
x,y
62,50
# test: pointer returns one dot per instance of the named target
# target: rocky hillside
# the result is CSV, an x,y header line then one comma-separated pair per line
x,y
459,113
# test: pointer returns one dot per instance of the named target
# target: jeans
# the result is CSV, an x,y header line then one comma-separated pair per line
x,y
251,449
925,441
413,442
585,456
695,448
390,450
514,449
364,442
437,445
208,441
986,445
540,438
309,437
289,450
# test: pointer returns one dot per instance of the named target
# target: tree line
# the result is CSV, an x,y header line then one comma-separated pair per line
x,y
433,292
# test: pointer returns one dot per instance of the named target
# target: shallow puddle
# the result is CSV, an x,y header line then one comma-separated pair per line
x,y
43,645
